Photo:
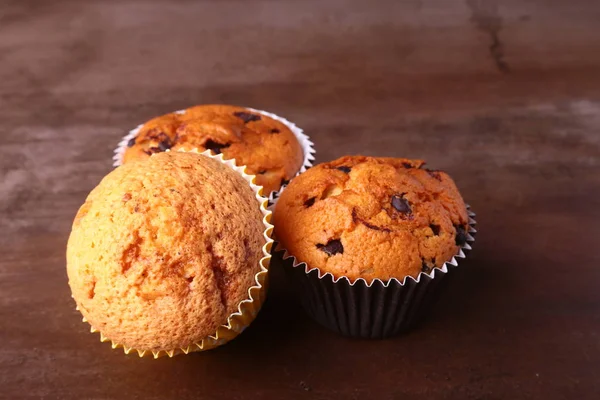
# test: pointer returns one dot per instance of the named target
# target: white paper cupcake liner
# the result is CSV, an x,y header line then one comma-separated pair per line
x,y
247,308
369,309
305,142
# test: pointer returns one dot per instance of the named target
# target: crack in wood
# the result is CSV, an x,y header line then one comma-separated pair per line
x,y
484,13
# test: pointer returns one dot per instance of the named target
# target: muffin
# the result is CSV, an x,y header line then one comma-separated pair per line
x,y
359,221
164,251
268,145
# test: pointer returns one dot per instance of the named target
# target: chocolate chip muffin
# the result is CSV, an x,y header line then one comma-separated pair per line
x,y
265,145
164,250
367,217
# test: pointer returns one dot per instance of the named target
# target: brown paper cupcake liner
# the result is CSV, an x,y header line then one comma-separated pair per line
x,y
307,147
248,308
375,309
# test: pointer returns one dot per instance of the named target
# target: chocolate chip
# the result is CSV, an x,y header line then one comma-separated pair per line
x,y
165,144
215,147
246,117
425,268
435,229
131,142
344,169
152,150
275,130
434,173
461,235
407,165
401,204
309,202
332,247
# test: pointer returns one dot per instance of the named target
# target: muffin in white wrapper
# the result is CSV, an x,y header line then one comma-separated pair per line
x,y
307,146
246,310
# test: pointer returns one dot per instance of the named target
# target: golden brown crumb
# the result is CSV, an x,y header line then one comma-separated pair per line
x,y
163,250
367,217
267,147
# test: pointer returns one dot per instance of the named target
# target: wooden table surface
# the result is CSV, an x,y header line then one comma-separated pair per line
x,y
504,96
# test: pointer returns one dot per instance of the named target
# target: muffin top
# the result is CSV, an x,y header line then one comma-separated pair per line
x,y
163,251
266,146
366,217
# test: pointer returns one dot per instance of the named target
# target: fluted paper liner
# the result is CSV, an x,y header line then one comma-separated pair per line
x,y
369,309
248,308
305,142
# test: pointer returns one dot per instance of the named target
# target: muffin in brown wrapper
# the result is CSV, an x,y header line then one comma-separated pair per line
x,y
369,242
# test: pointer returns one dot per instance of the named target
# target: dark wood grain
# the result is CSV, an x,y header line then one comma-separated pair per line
x,y
505,96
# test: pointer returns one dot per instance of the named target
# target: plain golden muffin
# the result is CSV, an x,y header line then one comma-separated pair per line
x,y
367,217
163,250
266,146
